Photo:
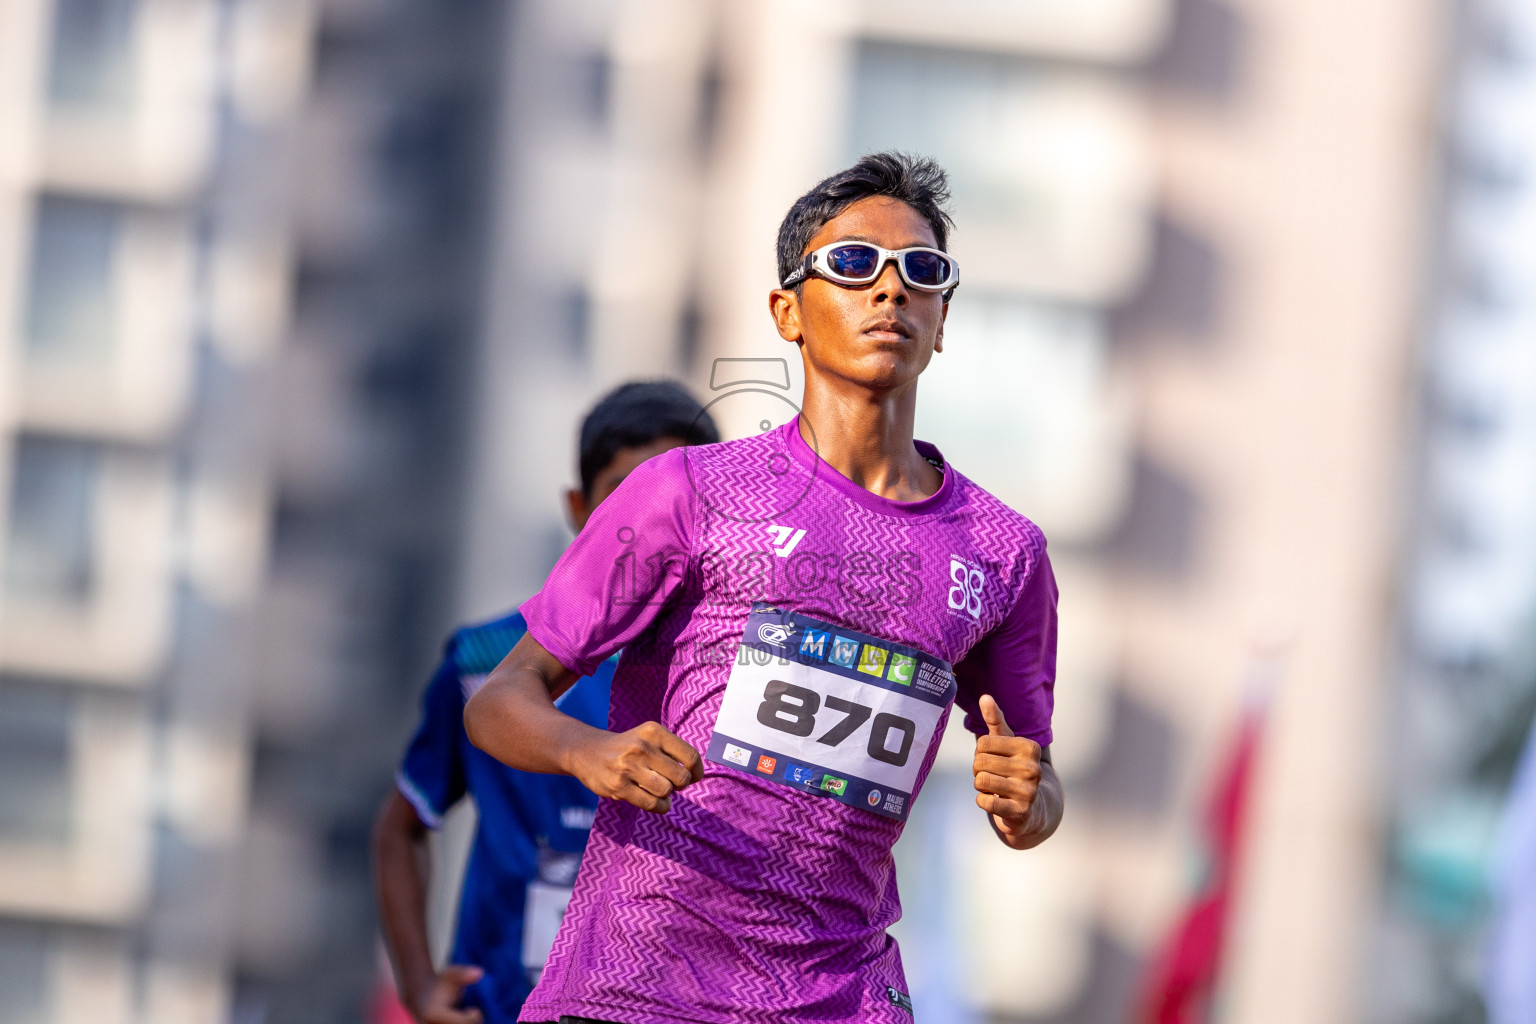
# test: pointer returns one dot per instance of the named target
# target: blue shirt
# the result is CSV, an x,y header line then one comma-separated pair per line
x,y
532,828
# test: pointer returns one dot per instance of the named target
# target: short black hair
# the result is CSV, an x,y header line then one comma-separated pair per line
x,y
917,181
636,414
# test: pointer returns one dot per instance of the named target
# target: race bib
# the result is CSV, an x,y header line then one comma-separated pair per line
x,y
831,711
547,898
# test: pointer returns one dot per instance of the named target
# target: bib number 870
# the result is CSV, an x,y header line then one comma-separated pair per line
x,y
792,709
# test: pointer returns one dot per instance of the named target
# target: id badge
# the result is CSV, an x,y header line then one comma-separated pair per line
x,y
544,906
831,711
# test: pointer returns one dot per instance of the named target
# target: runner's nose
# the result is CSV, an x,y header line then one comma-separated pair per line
x,y
889,287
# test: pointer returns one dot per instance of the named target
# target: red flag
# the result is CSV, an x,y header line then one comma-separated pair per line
x,y
1183,975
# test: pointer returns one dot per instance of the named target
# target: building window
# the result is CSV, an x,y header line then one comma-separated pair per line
x,y
48,551
574,319
1051,168
92,60
946,104
69,301
35,794
592,83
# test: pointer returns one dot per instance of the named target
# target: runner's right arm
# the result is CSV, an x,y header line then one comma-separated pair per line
x,y
603,593
514,719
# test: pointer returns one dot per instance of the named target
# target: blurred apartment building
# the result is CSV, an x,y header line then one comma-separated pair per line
x,y
119,528
238,252
1463,658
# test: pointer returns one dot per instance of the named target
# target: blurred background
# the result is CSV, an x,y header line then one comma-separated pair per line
x,y
301,301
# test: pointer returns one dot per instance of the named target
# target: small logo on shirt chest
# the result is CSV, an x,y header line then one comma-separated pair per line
x,y
784,539
967,582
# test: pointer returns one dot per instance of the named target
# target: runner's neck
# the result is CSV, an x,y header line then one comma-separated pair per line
x,y
871,446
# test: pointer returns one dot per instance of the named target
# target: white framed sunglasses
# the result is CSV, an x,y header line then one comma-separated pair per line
x,y
859,263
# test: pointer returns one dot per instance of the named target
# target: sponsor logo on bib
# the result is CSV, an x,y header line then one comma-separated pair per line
x,y
772,633
844,652
738,755
872,661
799,773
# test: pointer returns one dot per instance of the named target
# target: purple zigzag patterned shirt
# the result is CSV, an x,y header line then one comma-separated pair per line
x,y
808,637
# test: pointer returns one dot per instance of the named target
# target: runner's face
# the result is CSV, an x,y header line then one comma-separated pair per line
x,y
880,335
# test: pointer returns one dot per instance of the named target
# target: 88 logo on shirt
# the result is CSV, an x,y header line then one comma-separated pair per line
x,y
968,580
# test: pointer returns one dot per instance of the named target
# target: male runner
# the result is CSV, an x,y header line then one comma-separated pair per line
x,y
798,610
532,828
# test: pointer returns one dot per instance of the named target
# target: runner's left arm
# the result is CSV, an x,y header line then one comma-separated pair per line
x,y
1007,687
1015,783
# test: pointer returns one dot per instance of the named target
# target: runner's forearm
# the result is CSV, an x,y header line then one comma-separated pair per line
x,y
514,719
400,860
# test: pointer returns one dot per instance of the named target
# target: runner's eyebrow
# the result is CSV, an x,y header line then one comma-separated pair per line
x,y
872,241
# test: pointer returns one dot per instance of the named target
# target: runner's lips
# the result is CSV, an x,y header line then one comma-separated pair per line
x,y
888,327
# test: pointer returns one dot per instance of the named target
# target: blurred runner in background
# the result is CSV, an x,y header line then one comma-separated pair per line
x,y
532,828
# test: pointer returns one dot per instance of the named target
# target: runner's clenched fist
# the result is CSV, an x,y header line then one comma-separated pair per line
x,y
642,766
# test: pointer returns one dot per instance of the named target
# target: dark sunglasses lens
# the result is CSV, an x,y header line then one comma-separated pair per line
x,y
854,261
926,268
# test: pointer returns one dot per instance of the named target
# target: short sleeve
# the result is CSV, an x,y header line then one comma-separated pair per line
x,y
621,570
431,776
1016,662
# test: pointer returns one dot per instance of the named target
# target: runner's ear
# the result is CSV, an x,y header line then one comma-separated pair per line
x,y
784,307
577,508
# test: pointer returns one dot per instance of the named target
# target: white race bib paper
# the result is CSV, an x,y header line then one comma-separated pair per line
x,y
831,711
